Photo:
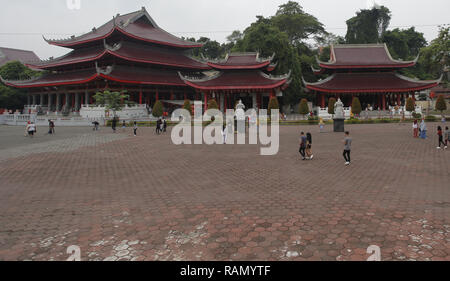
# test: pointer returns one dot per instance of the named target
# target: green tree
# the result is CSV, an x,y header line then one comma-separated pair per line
x,y
441,104
262,36
15,70
158,109
235,36
331,103
303,107
356,106
410,105
296,23
113,101
434,59
11,98
211,49
368,26
273,104
187,106
404,44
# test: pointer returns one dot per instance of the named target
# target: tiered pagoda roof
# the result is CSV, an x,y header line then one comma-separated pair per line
x,y
365,68
122,74
137,25
363,56
383,82
242,61
239,72
124,50
133,49
9,54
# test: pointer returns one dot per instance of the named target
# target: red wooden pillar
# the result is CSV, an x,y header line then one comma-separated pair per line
x,y
413,97
73,101
322,100
384,101
225,97
205,106
157,94
185,96
171,94
140,96
399,99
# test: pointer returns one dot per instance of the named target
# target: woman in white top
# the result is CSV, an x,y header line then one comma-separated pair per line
x,y
31,128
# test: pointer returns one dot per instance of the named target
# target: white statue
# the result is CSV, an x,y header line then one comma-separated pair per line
x,y
240,113
339,110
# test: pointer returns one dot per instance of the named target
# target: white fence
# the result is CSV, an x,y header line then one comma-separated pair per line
x,y
391,112
128,112
22,120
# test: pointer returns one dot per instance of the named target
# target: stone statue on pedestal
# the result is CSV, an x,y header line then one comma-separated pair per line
x,y
338,109
339,116
240,117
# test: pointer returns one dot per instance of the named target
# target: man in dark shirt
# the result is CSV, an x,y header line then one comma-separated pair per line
x,y
302,145
347,148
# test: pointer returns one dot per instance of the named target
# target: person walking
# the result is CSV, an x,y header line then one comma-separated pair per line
x,y
164,125
321,124
135,127
446,137
26,128
114,124
423,129
347,148
96,124
158,126
302,149
415,129
309,146
441,138
124,126
31,129
52,126
224,133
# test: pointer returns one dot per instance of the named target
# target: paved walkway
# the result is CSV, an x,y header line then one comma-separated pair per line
x,y
120,197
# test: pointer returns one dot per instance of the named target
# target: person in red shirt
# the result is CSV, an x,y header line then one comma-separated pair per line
x,y
441,138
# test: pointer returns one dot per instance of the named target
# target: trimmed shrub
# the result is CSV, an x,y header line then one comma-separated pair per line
x,y
331,103
273,104
410,106
441,105
212,104
303,108
430,118
187,106
356,106
157,109
416,115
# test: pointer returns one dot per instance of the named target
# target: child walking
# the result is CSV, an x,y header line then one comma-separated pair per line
x,y
135,128
347,148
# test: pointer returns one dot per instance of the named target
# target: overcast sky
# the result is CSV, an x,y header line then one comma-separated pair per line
x,y
23,22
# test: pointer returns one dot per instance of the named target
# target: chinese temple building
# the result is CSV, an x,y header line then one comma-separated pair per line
x,y
240,76
368,72
131,52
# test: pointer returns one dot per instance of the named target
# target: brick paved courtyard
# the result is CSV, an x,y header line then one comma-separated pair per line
x,y
120,197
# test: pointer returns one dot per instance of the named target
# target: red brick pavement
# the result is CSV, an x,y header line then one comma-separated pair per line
x,y
142,198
